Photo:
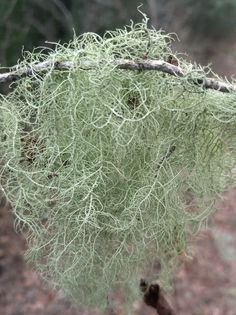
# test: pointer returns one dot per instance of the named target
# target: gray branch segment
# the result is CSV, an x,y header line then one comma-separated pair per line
x,y
142,65
29,70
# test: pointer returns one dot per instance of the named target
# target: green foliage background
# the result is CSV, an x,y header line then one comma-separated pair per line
x,y
211,19
29,23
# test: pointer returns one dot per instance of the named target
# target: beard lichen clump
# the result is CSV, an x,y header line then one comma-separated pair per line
x,y
100,162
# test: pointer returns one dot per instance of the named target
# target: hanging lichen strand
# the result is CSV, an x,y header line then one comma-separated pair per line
x,y
100,163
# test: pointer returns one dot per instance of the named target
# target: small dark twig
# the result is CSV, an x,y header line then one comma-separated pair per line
x,y
154,297
166,156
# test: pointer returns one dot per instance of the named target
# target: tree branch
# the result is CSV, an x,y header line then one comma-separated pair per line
x,y
154,297
26,71
141,65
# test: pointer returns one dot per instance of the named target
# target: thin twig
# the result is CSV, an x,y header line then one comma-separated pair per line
x,y
141,65
26,71
166,156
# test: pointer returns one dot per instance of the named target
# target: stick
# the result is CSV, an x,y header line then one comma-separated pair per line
x,y
166,156
154,297
141,65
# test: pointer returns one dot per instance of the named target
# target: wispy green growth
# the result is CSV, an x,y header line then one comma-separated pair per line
x,y
101,165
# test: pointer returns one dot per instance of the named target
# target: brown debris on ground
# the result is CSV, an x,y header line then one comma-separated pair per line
x,y
204,285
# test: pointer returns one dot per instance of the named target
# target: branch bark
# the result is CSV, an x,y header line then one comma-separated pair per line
x,y
141,65
153,296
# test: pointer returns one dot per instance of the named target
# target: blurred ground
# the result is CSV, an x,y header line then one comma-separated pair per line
x,y
204,285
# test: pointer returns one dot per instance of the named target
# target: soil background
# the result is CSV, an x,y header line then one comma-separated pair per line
x,y
204,284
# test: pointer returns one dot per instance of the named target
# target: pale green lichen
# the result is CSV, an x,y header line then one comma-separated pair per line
x,y
99,162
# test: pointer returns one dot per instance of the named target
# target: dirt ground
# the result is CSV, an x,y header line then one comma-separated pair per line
x,y
204,285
